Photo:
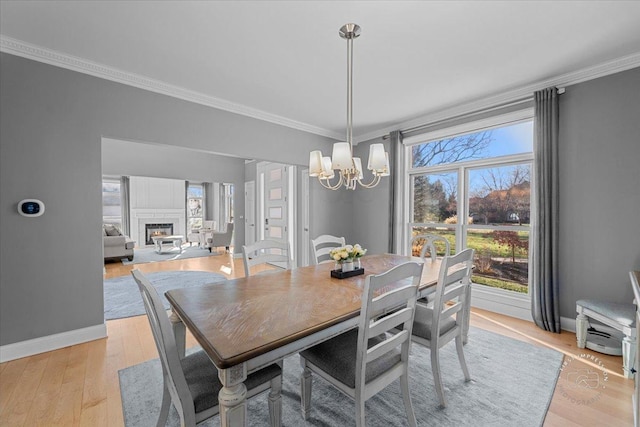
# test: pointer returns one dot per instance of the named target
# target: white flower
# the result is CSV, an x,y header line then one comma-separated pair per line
x,y
347,252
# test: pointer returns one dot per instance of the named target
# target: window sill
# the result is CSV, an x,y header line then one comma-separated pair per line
x,y
501,301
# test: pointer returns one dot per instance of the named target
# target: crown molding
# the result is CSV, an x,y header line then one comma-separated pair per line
x,y
55,58
37,53
607,68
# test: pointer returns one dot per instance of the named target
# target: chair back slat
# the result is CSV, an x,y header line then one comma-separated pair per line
x,y
390,321
387,345
450,310
322,245
382,294
266,251
454,277
396,297
453,280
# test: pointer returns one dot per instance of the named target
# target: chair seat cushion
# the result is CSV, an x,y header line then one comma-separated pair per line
x,y
337,357
423,320
204,385
623,314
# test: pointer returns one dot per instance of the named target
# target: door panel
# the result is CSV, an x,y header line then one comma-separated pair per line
x,y
275,202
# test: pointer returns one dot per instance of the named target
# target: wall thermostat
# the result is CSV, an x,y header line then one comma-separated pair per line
x,y
30,207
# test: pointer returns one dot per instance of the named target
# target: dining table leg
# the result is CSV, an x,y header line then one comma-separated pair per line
x,y
179,332
233,396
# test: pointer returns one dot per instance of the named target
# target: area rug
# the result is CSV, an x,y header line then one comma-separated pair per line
x,y
512,385
122,297
144,255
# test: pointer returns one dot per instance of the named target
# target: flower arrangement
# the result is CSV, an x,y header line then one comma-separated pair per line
x,y
347,253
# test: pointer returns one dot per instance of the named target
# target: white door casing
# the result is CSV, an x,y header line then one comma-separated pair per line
x,y
250,212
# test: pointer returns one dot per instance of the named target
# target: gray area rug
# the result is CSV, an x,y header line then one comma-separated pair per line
x,y
122,297
512,385
144,255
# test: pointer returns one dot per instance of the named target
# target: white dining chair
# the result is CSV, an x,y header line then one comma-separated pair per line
x,y
322,245
272,252
430,244
363,361
192,383
437,326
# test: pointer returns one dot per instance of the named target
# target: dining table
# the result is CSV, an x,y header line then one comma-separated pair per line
x,y
247,323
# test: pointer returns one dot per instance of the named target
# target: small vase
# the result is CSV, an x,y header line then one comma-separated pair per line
x,y
356,264
347,266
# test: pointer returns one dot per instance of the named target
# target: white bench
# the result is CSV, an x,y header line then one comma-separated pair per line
x,y
618,316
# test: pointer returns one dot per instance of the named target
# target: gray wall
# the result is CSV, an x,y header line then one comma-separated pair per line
x,y
599,189
371,212
51,127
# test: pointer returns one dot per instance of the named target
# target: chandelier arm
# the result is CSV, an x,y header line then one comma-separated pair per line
x,y
329,186
375,181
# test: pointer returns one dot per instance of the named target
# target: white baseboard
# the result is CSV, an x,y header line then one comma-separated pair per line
x,y
51,342
568,324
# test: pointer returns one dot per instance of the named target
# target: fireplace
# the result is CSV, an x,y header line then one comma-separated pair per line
x,y
154,230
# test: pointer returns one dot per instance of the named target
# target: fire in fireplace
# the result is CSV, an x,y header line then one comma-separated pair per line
x,y
154,230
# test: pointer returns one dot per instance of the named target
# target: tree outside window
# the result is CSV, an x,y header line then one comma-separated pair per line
x,y
485,178
195,206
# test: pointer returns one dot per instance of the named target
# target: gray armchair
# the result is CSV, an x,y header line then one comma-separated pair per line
x,y
217,239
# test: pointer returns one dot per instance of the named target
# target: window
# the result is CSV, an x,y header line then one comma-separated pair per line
x,y
111,202
228,202
475,190
195,206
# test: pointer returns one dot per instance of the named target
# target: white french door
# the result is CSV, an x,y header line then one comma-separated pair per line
x,y
275,202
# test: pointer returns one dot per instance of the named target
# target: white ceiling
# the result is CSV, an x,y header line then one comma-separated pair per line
x,y
284,61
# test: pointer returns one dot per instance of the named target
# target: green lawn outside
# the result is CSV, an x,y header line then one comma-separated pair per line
x,y
482,241
499,283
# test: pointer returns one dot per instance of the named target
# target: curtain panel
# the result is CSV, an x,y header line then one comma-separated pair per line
x,y
396,150
125,205
208,201
544,284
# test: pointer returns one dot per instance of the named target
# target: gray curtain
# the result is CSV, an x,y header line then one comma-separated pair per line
x,y
125,204
395,161
187,226
544,283
208,201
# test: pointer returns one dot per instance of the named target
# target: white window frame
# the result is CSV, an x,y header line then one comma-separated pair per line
x,y
113,181
493,299
203,203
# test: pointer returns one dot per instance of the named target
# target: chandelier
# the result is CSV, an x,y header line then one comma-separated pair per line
x,y
349,168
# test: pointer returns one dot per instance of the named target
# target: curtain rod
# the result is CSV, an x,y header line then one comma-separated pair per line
x,y
470,114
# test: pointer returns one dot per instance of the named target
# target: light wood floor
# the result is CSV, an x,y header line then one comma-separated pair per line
x,y
78,385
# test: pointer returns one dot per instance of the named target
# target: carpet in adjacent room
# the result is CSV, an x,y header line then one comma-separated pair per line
x,y
145,255
122,297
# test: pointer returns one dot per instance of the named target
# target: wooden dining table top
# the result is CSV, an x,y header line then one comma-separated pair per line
x,y
237,320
